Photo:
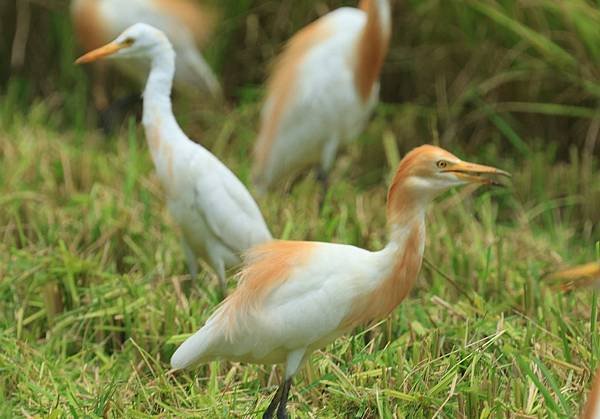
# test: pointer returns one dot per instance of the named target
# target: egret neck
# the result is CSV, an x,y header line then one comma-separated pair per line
x,y
406,225
162,130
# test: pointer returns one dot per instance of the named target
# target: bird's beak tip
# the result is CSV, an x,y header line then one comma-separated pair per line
x,y
477,173
102,52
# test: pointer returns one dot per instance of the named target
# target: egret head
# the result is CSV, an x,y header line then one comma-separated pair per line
x,y
427,171
137,41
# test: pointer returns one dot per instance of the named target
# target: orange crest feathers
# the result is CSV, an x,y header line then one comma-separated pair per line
x,y
397,201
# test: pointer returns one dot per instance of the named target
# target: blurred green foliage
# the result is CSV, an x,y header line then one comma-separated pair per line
x,y
474,71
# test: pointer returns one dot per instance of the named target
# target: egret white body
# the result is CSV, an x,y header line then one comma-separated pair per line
x,y
295,297
322,91
217,215
186,24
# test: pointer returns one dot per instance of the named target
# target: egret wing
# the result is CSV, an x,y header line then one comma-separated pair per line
x,y
229,210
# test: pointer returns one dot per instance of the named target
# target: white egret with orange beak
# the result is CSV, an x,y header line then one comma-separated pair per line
x,y
322,91
217,215
295,297
187,24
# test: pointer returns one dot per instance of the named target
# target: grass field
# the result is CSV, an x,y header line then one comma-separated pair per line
x,y
90,259
90,262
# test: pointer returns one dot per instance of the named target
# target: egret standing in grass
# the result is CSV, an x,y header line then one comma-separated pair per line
x,y
187,24
322,91
217,215
295,297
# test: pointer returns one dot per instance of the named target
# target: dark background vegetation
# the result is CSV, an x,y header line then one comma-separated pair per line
x,y
523,70
516,75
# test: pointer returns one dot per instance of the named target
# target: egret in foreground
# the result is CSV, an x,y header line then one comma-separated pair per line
x,y
322,90
217,215
295,297
187,24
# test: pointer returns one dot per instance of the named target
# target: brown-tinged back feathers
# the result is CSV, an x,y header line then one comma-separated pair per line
x,y
199,19
371,50
281,83
89,30
265,267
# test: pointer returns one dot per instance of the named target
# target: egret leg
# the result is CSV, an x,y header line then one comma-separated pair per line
x,y
327,159
323,178
191,260
220,270
279,401
283,399
368,337
274,403
192,264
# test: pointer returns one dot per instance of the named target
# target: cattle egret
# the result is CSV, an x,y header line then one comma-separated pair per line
x,y
592,406
186,24
218,217
578,276
322,91
295,297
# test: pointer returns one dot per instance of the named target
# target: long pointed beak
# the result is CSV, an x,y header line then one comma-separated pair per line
x,y
102,52
476,173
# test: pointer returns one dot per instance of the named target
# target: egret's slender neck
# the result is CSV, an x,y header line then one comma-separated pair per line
x,y
402,256
163,133
406,210
157,94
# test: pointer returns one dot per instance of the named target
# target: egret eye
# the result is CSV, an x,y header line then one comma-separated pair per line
x,y
128,41
442,164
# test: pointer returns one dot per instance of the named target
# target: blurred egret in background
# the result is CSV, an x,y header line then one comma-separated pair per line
x,y
577,276
322,91
187,24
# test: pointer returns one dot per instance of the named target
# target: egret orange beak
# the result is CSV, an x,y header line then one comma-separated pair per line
x,y
476,173
102,52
